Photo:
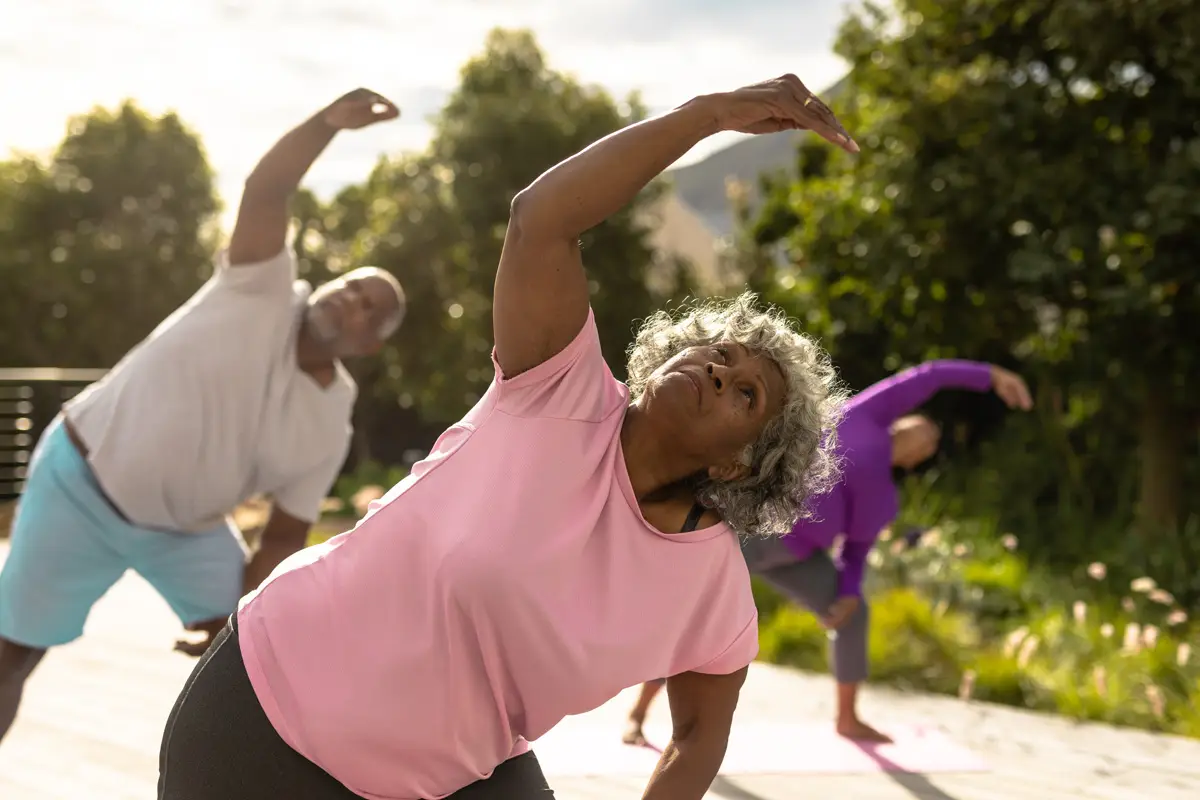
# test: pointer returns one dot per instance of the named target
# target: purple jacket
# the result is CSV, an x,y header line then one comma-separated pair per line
x,y
864,501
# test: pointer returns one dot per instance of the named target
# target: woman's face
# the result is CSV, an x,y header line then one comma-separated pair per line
x,y
915,439
715,400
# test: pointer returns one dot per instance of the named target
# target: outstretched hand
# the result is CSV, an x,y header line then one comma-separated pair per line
x,y
1010,387
196,647
358,109
840,612
781,104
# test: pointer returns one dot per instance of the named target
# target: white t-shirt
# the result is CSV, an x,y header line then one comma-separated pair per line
x,y
211,408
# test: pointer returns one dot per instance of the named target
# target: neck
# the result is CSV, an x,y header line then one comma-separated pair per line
x,y
657,467
314,358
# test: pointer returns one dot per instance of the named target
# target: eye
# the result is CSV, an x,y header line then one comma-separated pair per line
x,y
723,352
749,393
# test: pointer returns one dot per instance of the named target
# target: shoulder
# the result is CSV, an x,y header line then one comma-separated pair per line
x,y
274,277
574,383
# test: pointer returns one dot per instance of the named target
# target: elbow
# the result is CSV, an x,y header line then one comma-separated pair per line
x,y
525,219
533,216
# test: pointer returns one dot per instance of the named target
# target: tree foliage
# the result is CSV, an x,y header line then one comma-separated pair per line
x,y
437,221
104,240
1025,193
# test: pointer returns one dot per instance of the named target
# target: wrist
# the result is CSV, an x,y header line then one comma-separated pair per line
x,y
708,111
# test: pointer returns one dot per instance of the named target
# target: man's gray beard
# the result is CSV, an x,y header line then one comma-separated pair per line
x,y
320,327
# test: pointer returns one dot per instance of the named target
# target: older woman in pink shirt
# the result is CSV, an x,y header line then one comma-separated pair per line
x,y
571,536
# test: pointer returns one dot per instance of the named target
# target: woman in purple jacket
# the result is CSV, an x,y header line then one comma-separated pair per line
x,y
878,432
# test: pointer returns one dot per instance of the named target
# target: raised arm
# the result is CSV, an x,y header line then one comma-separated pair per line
x,y
904,392
261,228
541,294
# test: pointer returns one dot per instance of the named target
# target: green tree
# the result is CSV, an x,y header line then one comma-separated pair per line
x,y
437,220
101,243
1024,191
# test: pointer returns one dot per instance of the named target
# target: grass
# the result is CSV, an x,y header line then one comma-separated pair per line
x,y
965,612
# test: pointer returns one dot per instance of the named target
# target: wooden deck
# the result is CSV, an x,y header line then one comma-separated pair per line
x,y
93,716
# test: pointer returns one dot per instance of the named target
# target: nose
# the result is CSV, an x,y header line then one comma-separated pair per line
x,y
719,374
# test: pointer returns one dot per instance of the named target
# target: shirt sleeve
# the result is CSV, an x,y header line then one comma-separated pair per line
x,y
274,276
574,383
904,392
302,497
740,653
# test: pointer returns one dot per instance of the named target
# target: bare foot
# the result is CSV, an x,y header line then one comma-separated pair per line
x,y
633,734
860,731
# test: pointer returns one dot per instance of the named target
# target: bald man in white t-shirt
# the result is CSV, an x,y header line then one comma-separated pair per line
x,y
241,391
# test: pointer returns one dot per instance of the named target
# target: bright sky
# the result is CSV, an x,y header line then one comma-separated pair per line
x,y
241,72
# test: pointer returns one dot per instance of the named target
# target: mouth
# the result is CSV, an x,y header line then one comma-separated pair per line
x,y
695,384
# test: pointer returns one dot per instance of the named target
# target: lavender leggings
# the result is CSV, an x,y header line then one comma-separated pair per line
x,y
813,583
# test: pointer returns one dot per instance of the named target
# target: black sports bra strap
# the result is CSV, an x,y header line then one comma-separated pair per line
x,y
693,518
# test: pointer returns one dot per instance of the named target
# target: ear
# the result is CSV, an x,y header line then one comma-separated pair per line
x,y
732,470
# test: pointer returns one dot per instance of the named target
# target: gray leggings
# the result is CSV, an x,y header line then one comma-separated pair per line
x,y
814,584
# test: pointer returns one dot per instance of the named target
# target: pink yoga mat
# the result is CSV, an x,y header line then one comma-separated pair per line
x,y
578,749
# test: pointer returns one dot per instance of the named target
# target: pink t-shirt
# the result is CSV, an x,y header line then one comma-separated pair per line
x,y
508,582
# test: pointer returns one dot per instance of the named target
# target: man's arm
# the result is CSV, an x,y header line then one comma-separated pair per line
x,y
261,228
282,536
702,709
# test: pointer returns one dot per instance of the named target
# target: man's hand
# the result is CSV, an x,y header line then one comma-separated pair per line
x,y
358,109
196,647
780,104
1011,388
840,612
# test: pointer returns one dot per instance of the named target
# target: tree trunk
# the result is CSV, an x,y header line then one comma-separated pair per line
x,y
1161,450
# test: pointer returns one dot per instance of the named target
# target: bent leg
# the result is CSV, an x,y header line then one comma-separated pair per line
x,y
814,584
59,564
198,574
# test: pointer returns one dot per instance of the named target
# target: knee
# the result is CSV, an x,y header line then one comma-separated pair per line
x,y
17,662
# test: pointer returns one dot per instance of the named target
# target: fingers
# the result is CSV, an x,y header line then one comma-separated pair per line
x,y
1013,391
812,113
193,649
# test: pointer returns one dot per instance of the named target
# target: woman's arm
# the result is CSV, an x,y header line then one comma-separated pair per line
x,y
702,709
904,392
541,294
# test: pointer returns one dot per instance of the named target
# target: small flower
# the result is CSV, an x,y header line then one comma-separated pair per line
x,y
1100,679
1183,654
1027,649
1097,571
1009,541
1013,641
1133,638
885,535
1106,630
897,547
960,550
1143,585
1154,695
364,497
1162,597
1149,637
967,685
1079,611
1177,617
1128,604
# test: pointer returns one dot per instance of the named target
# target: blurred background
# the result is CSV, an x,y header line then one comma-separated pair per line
x,y
1028,194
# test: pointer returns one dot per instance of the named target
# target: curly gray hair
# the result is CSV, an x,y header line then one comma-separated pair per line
x,y
794,457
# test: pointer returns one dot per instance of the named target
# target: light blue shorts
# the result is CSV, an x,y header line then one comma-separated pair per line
x,y
68,546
